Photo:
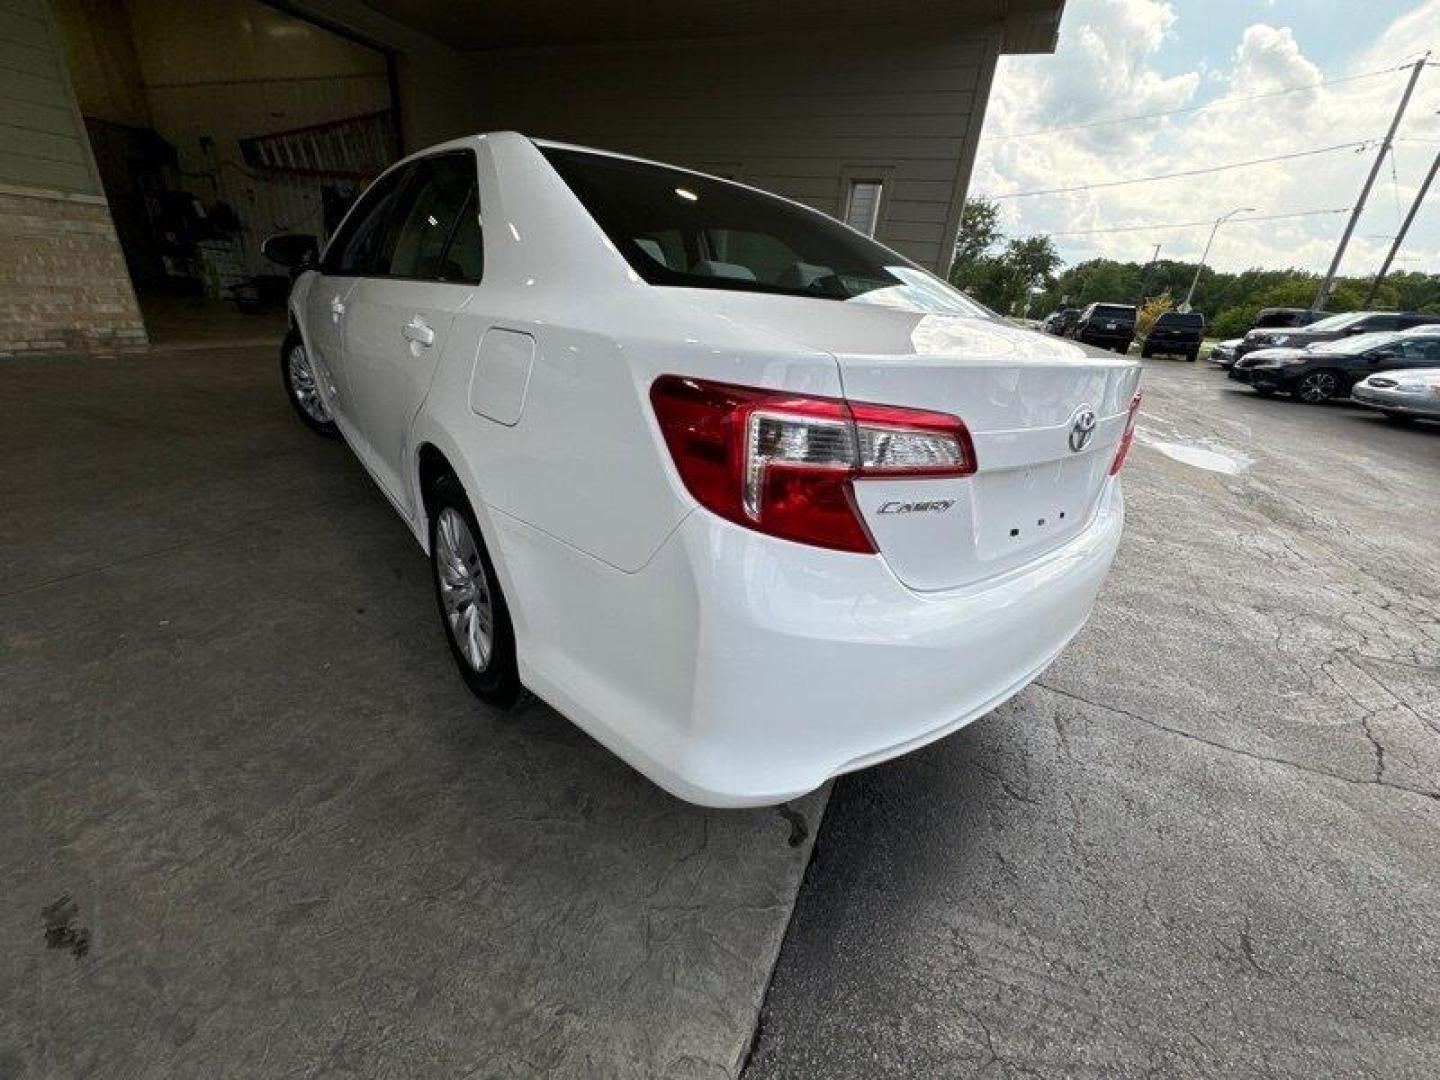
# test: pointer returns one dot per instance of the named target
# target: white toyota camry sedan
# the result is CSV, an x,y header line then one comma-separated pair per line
x,y
749,497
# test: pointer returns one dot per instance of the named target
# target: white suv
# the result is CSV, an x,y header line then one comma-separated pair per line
x,y
749,497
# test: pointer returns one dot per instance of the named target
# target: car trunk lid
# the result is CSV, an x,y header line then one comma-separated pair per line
x,y
1046,417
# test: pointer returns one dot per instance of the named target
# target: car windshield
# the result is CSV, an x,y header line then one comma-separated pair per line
x,y
1357,344
680,228
1335,322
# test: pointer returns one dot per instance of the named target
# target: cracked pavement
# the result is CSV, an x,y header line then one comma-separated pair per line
x,y
1207,842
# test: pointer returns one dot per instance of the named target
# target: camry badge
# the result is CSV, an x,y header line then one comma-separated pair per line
x,y
1082,429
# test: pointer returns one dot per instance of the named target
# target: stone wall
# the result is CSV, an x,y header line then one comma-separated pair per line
x,y
63,282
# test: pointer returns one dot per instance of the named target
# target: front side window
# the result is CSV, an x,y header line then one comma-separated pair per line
x,y
682,229
1423,349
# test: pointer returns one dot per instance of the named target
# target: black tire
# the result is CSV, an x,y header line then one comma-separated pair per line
x,y
496,680
1399,418
1319,386
1193,356
1145,353
293,369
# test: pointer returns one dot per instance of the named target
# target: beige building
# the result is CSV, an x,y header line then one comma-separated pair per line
x,y
147,147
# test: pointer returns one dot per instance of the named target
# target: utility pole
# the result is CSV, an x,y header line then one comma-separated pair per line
x,y
1404,228
1322,297
1145,275
1190,295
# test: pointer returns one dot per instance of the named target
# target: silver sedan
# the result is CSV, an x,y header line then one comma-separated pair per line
x,y
1401,394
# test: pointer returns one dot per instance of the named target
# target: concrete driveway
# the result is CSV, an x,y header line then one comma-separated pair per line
x,y
251,823
1207,842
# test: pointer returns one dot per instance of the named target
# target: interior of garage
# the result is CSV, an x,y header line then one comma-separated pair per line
x,y
213,131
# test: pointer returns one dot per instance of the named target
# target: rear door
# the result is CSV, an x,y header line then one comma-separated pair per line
x,y
400,315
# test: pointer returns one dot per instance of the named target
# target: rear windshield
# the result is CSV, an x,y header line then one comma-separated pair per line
x,y
680,228
1112,311
1192,320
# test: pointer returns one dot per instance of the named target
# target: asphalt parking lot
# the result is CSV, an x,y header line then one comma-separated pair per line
x,y
1205,844
251,823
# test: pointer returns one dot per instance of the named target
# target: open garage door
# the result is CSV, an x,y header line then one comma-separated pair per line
x,y
215,129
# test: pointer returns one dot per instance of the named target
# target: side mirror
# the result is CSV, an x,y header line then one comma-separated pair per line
x,y
297,251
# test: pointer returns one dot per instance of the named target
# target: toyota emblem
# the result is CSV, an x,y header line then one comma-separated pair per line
x,y
1082,429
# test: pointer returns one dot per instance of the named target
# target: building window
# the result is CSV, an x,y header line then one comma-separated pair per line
x,y
862,211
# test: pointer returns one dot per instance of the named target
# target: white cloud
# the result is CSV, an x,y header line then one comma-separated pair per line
x,y
1106,66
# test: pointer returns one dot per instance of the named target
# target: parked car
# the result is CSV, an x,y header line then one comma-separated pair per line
x,y
1060,322
1412,394
1335,326
749,497
1175,333
1328,369
1110,326
1223,354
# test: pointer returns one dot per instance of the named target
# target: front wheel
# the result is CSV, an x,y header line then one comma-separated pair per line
x,y
303,389
472,607
1318,387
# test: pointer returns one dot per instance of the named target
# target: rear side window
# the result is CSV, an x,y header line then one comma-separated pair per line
x,y
429,218
680,228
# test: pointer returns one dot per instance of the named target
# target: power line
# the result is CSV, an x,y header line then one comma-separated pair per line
x,y
1186,172
1188,109
1197,224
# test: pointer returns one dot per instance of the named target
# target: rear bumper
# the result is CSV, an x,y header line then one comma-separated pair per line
x,y
1177,346
1103,339
741,670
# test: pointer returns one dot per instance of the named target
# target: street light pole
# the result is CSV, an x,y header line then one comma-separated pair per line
x,y
1206,253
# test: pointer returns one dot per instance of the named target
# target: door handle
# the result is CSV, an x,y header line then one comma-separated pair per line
x,y
337,308
418,331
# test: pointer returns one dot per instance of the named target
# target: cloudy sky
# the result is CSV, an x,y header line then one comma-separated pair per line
x,y
1121,58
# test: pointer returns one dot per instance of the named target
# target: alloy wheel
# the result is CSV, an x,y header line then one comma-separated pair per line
x,y
304,388
464,589
1318,386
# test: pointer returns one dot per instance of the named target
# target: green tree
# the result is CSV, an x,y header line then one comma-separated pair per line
x,y
979,233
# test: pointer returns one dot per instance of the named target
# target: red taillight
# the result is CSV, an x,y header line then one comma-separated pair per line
x,y
783,463
1128,437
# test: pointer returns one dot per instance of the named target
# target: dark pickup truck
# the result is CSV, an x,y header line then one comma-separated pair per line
x,y
1110,326
1175,333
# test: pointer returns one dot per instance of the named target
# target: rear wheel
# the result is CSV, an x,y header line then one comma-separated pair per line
x,y
1145,352
302,387
1318,387
1193,355
1399,418
473,611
